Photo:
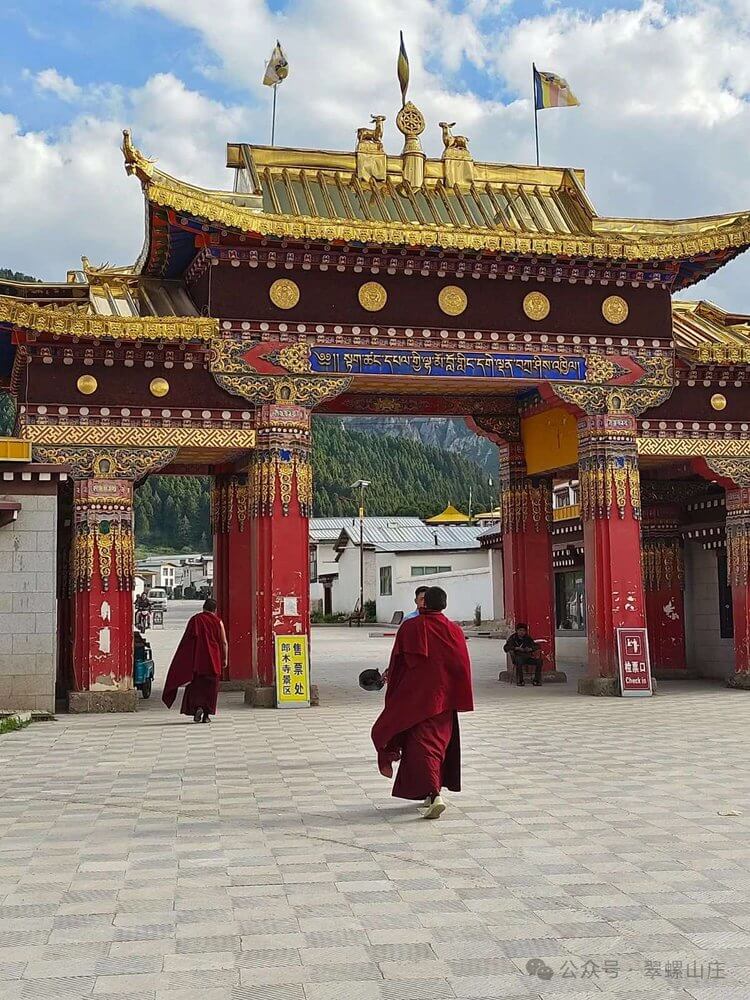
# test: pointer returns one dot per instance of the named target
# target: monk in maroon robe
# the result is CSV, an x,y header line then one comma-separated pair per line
x,y
198,664
429,683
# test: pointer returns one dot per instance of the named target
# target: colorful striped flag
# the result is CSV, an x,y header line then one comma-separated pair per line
x,y
551,91
402,68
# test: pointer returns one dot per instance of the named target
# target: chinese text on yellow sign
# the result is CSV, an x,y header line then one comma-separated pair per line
x,y
292,671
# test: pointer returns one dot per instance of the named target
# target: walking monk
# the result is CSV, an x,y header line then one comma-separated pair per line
x,y
429,683
198,663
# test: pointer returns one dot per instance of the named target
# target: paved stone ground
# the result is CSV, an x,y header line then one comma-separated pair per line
x,y
261,857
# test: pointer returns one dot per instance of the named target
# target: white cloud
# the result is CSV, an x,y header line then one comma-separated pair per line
x,y
664,127
62,86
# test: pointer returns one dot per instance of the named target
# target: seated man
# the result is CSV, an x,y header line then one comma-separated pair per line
x,y
524,652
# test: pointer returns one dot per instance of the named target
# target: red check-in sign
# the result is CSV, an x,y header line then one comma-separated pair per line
x,y
633,661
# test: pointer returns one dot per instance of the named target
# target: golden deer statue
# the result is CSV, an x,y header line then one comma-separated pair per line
x,y
451,141
372,134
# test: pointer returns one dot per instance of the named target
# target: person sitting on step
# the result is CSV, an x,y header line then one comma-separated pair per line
x,y
524,652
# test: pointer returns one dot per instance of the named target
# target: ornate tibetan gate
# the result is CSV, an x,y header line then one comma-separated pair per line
x,y
370,283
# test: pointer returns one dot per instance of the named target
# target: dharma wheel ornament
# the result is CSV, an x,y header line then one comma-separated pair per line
x,y
284,293
87,384
615,310
536,306
159,387
372,296
452,300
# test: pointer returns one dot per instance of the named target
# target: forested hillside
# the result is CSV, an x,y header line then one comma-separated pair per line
x,y
406,477
5,272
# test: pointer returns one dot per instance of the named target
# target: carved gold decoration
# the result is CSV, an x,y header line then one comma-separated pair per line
x,y
603,399
718,401
230,503
526,504
158,387
296,358
283,473
281,389
220,438
689,447
608,467
536,306
615,309
372,296
600,369
458,166
662,561
87,385
128,463
374,136
284,293
723,354
736,469
452,300
83,557
29,316
657,241
124,548
370,155
104,541
410,120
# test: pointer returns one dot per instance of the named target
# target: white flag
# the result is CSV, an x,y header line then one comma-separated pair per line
x,y
277,68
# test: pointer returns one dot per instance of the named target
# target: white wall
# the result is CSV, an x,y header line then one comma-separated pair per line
x,y
496,573
345,590
707,652
28,605
469,583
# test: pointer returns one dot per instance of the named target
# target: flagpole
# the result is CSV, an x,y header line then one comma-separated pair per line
x,y
536,110
273,117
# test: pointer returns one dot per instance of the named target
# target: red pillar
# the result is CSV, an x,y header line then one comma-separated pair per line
x,y
738,568
102,570
663,578
528,580
230,516
281,491
610,511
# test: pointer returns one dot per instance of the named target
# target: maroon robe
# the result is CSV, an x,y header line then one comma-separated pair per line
x,y
429,682
197,664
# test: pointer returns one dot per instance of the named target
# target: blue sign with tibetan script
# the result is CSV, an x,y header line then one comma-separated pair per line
x,y
446,364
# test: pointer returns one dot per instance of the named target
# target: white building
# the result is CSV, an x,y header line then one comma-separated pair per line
x,y
176,573
398,555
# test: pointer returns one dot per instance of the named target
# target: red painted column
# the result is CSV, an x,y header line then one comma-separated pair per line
x,y
528,580
738,569
281,491
233,557
102,570
610,511
664,581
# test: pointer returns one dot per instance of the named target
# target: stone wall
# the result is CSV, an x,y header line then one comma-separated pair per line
x,y
28,607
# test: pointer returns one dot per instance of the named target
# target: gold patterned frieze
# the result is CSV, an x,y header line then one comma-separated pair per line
x,y
372,296
131,436
310,391
452,300
663,564
536,306
109,463
693,447
28,316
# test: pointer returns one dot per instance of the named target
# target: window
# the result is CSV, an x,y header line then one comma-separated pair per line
x,y
429,570
726,618
313,564
570,601
386,581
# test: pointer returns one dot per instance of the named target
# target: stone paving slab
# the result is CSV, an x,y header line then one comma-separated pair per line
x,y
262,857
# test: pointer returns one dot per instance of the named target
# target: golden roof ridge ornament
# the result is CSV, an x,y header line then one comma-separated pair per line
x,y
370,154
411,124
458,165
135,162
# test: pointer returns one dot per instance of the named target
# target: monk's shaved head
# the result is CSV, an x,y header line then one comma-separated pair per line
x,y
209,604
435,599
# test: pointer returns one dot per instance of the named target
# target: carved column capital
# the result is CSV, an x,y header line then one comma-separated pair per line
x,y
608,466
103,536
104,462
280,465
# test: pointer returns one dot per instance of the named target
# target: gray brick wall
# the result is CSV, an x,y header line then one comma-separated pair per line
x,y
707,652
28,608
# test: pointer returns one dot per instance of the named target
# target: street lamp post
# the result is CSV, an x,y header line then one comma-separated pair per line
x,y
361,485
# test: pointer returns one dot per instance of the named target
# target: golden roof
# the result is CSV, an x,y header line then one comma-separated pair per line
x,y
451,515
317,194
705,333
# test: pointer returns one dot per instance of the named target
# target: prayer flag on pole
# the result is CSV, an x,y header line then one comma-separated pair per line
x,y
403,69
277,68
551,91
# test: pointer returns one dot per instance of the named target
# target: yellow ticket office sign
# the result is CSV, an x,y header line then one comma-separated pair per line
x,y
292,672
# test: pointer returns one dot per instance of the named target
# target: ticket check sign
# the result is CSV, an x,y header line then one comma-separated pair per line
x,y
634,663
292,672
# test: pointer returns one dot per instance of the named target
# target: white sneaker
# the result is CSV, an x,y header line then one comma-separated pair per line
x,y
436,808
426,804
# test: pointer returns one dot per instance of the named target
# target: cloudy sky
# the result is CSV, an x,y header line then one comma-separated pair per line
x,y
663,130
